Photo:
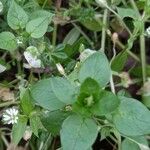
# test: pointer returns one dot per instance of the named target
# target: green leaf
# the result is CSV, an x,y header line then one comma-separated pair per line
x,y
72,37
41,13
26,103
16,17
37,27
107,104
44,96
132,118
96,67
35,124
8,41
119,62
92,24
19,129
89,92
127,12
63,90
128,144
52,121
78,133
90,86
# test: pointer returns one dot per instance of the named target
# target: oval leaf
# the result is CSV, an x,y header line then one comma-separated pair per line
x,y
43,94
8,41
19,129
53,120
75,133
107,104
37,27
16,17
63,90
96,67
133,144
132,118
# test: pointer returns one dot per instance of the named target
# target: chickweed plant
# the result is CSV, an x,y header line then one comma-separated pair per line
x,y
74,73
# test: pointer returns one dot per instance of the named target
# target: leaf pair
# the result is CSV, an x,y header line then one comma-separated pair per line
x,y
17,18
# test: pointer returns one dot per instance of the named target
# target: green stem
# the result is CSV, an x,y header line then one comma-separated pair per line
x,y
120,19
103,39
19,68
133,55
54,35
5,140
44,4
127,50
47,142
8,104
85,36
143,55
135,7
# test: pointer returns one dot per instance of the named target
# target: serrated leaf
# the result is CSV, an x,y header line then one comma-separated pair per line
x,y
44,96
79,132
64,90
19,129
96,67
16,17
132,118
7,41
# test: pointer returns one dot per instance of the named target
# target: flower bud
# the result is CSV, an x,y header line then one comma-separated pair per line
x,y
102,3
60,69
28,133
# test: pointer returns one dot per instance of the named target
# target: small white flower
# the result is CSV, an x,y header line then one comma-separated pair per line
x,y
85,54
32,60
10,116
2,68
60,69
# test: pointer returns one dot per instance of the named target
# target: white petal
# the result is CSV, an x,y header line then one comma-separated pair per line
x,y
35,63
2,68
16,112
8,111
27,66
11,111
9,122
6,118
